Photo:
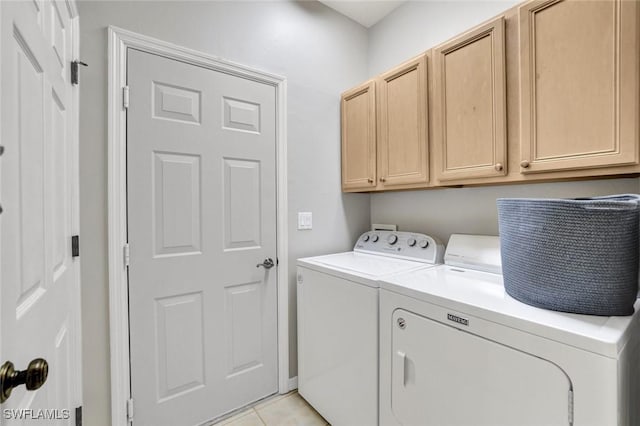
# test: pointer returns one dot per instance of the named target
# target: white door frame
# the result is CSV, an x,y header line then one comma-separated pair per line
x,y
119,41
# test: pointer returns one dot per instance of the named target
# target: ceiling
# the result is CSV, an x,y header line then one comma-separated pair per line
x,y
364,12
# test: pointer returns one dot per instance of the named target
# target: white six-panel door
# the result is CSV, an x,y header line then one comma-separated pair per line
x,y
39,278
201,189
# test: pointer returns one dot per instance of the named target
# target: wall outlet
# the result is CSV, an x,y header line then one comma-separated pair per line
x,y
305,220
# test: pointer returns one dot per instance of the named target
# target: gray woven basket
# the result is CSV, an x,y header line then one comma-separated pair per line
x,y
578,256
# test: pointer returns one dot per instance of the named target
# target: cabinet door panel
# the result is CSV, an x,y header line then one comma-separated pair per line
x,y
359,138
579,84
470,113
403,156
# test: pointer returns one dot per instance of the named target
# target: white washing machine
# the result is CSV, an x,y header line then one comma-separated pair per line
x,y
456,350
338,297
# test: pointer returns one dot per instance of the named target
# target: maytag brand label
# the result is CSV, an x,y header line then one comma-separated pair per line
x,y
458,319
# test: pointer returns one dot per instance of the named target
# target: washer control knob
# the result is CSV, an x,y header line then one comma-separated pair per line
x,y
392,239
365,238
411,242
375,238
423,244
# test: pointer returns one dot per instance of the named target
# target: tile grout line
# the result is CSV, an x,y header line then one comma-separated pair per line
x,y
276,401
271,404
260,417
239,413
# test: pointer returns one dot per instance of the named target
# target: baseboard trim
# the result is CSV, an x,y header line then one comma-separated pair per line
x,y
293,383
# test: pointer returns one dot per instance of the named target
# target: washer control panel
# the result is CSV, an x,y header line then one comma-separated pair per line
x,y
405,245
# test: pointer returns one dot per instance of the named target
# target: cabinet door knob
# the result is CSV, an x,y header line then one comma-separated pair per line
x,y
370,180
524,164
383,179
499,167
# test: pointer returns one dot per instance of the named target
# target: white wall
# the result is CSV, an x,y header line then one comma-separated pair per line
x,y
411,29
442,212
417,26
320,53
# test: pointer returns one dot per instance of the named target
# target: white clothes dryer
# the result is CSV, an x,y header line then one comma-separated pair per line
x,y
338,296
456,350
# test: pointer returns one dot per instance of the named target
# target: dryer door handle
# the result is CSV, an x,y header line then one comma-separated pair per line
x,y
401,363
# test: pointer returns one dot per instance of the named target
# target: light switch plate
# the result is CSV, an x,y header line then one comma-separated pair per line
x,y
305,220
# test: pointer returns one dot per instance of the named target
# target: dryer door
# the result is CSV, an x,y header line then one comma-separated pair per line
x,y
445,376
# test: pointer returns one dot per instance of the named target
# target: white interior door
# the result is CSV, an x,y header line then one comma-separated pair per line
x,y
201,194
444,376
39,278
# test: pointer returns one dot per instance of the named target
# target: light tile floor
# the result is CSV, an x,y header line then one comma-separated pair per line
x,y
282,410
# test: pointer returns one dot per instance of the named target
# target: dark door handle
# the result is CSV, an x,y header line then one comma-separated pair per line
x,y
267,264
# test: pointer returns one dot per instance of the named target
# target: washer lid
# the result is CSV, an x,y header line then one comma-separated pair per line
x,y
361,267
482,295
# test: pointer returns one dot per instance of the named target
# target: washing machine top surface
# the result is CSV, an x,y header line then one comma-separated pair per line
x,y
378,254
476,293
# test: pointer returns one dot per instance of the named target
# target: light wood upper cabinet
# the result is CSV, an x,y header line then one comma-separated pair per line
x,y
579,84
548,91
469,108
384,130
358,107
403,157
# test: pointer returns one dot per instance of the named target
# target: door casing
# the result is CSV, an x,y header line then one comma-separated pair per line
x,y
119,41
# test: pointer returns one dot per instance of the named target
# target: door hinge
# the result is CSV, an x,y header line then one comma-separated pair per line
x,y
79,416
75,246
125,97
75,74
125,254
570,406
129,409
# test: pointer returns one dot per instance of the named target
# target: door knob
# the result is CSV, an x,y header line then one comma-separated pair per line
x,y
33,377
267,264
